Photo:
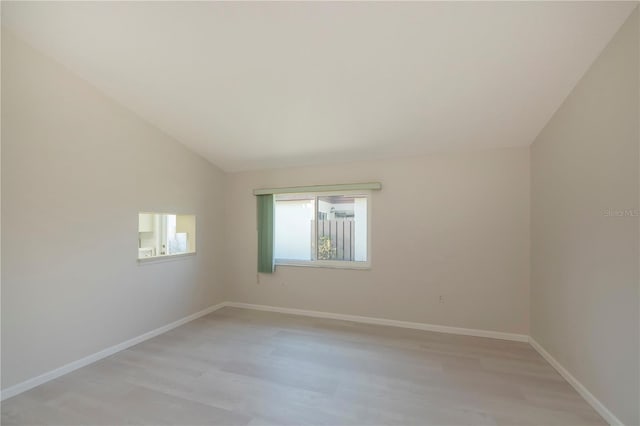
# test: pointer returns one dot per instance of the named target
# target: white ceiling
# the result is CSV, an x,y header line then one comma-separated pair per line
x,y
259,85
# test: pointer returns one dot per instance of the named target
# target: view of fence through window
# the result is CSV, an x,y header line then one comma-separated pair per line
x,y
323,227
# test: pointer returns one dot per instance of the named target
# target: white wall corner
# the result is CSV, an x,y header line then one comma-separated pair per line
x,y
608,416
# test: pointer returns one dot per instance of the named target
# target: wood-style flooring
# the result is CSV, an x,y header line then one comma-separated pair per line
x,y
244,367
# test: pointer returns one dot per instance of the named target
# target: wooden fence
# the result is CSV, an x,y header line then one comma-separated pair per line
x,y
336,239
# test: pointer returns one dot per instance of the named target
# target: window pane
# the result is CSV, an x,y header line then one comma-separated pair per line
x,y
294,227
161,234
342,228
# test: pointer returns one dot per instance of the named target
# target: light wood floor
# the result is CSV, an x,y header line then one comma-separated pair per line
x,y
242,367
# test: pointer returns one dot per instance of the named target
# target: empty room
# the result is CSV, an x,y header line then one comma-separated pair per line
x,y
320,213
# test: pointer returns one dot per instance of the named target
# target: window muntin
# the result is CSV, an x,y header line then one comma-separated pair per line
x,y
165,234
323,229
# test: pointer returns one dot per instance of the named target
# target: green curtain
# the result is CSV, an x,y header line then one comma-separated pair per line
x,y
265,233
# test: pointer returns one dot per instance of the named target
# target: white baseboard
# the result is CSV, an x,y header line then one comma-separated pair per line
x,y
579,387
588,396
387,322
68,368
43,378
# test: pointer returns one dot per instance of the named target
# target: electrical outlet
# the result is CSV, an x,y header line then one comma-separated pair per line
x,y
441,299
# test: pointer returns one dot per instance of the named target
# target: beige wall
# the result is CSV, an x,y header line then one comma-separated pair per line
x,y
76,170
453,225
584,285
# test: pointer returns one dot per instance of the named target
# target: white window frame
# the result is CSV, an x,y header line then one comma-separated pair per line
x,y
333,264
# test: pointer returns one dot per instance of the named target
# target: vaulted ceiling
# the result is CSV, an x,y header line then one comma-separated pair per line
x,y
252,85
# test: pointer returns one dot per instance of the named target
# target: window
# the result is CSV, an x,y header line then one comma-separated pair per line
x,y
162,234
322,229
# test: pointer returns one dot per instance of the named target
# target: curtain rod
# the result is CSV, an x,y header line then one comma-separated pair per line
x,y
319,188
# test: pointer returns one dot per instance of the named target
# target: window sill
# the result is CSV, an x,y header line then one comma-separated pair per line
x,y
164,258
325,264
